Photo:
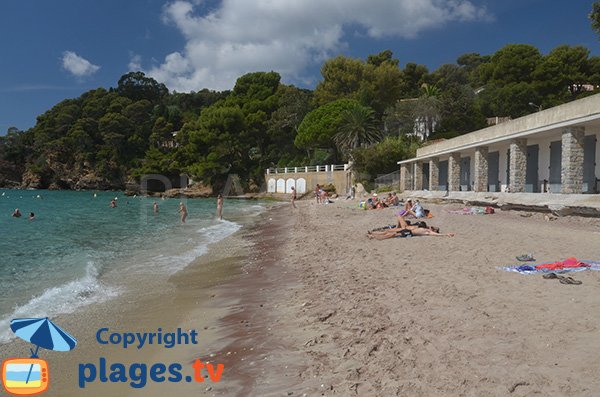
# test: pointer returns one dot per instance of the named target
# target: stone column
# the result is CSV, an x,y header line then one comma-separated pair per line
x,y
454,172
518,164
418,176
405,177
434,174
481,169
572,160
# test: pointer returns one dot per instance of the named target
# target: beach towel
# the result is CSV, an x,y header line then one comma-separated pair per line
x,y
567,266
569,263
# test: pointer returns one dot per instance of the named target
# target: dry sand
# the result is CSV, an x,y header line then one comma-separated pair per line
x,y
339,314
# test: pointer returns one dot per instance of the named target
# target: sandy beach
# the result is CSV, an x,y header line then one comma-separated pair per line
x,y
302,303
339,314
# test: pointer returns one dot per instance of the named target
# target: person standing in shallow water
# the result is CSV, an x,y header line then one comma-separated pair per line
x,y
183,212
220,207
155,207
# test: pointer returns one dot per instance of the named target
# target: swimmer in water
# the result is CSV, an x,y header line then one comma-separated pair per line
x,y
155,207
113,203
16,213
183,212
31,216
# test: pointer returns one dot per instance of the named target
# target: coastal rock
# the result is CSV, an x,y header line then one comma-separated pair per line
x,y
31,180
197,190
10,174
91,181
560,210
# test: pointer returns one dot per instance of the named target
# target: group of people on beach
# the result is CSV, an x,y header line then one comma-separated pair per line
x,y
17,214
375,203
322,195
404,227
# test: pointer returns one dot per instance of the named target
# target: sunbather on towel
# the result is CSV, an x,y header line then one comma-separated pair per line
x,y
417,231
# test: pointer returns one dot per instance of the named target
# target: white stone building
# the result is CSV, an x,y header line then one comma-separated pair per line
x,y
555,150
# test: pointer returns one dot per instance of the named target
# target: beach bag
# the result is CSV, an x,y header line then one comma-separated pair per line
x,y
489,210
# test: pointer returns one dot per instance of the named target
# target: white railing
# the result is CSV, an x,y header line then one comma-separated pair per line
x,y
309,168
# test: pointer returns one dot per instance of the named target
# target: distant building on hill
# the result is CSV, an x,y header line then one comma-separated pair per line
x,y
171,143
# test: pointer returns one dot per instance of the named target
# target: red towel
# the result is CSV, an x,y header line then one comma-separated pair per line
x,y
566,264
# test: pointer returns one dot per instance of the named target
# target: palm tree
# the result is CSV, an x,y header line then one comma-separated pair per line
x,y
358,128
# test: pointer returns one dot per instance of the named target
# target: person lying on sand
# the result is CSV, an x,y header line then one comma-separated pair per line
x,y
414,231
419,229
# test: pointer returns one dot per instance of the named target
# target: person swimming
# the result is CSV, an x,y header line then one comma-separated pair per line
x,y
31,216
155,207
16,213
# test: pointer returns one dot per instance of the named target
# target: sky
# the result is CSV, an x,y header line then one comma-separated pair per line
x,y
59,49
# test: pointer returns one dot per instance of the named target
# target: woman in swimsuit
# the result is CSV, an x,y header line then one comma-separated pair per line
x,y
183,212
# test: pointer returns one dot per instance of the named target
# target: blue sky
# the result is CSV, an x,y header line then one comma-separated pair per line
x,y
52,50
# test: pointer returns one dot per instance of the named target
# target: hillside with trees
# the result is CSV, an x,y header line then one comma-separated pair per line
x,y
373,112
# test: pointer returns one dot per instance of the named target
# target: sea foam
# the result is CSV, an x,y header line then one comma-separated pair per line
x,y
207,235
63,299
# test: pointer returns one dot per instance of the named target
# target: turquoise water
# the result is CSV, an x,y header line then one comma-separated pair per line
x,y
55,263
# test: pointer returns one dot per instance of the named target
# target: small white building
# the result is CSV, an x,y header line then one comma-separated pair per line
x,y
555,150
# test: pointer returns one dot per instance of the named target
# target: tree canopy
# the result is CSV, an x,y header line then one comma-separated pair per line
x,y
374,111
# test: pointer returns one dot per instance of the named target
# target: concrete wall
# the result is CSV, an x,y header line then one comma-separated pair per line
x,y
340,179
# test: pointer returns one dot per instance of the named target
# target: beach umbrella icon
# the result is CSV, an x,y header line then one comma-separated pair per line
x,y
42,333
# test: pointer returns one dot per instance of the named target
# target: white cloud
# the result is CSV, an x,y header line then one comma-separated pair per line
x,y
77,65
135,63
287,36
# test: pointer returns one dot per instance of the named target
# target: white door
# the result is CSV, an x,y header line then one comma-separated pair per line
x,y
280,185
301,185
289,184
272,185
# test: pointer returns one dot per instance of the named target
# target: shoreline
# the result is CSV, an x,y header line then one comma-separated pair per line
x,y
180,300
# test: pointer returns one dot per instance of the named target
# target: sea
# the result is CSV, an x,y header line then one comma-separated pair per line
x,y
59,262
